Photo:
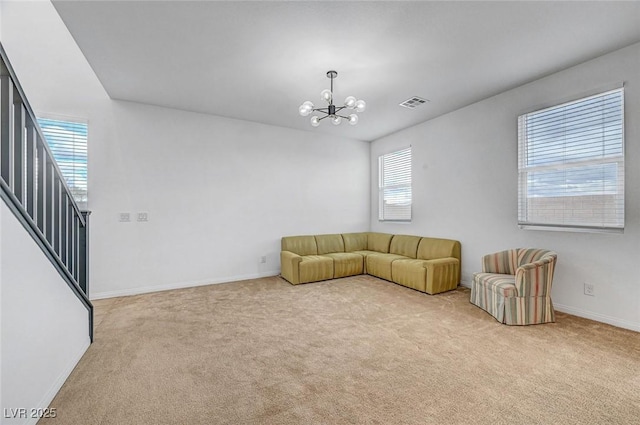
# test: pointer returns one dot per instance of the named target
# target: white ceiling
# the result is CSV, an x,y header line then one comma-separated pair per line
x,y
259,61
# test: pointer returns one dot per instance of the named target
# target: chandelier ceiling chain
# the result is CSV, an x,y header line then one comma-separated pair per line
x,y
331,111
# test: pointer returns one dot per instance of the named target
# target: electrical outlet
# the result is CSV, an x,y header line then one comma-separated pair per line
x,y
263,259
143,216
589,289
124,216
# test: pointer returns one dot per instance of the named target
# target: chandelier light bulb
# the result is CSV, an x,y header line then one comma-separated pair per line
x,y
350,102
326,95
353,119
315,121
361,105
336,120
304,110
309,104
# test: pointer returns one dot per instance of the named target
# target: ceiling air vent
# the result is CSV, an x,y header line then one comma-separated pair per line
x,y
414,102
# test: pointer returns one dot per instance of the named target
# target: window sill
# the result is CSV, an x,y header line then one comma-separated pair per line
x,y
395,221
576,229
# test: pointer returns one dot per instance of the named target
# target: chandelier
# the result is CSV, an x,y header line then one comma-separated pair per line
x,y
332,111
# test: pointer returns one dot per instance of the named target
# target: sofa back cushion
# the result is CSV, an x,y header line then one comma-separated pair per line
x,y
354,241
405,245
301,245
432,248
328,244
379,242
529,255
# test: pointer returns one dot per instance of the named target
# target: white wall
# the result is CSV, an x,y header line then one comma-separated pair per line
x,y
219,192
45,330
465,188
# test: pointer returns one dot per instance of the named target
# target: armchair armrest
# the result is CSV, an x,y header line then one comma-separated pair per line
x,y
442,274
534,279
503,262
289,266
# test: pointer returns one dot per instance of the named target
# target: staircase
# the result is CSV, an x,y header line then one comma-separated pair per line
x,y
34,189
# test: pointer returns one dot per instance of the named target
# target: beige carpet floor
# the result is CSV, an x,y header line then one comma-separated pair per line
x,y
349,351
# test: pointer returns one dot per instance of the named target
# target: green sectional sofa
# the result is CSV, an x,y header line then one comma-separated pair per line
x,y
428,265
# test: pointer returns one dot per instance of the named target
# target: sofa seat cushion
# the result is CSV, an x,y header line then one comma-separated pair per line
x,y
364,254
379,265
315,267
346,264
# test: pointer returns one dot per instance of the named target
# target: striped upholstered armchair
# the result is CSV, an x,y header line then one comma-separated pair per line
x,y
515,286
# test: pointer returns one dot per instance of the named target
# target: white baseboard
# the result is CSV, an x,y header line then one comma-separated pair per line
x,y
626,324
46,400
178,285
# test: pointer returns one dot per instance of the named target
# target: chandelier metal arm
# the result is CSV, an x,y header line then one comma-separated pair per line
x,y
327,114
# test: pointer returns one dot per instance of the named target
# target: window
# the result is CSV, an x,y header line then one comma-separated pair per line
x,y
68,143
571,165
394,170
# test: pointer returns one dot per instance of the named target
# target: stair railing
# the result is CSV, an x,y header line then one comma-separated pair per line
x,y
35,190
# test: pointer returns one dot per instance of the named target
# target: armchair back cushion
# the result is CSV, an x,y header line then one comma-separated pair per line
x,y
301,245
404,245
379,242
503,262
328,244
354,242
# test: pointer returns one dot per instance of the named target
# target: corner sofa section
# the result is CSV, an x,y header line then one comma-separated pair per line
x,y
428,265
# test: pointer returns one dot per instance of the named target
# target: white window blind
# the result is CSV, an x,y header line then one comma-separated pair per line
x,y
571,164
68,143
394,170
